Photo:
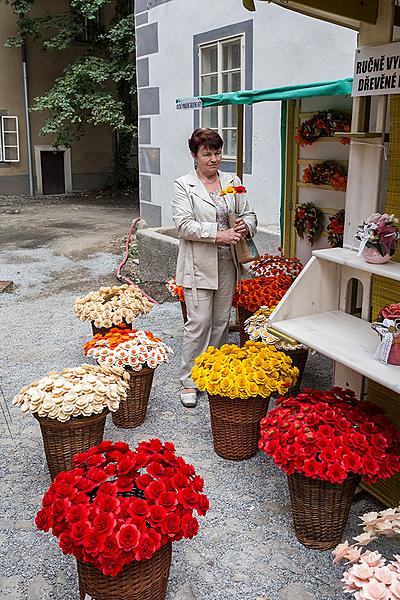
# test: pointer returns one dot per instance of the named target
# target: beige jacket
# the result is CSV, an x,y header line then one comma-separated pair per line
x,y
195,218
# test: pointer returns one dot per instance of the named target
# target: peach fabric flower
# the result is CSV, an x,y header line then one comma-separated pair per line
x,y
372,559
375,590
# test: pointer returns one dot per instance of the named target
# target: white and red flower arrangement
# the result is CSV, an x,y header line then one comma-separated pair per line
x,y
330,435
175,290
119,505
269,265
124,347
370,575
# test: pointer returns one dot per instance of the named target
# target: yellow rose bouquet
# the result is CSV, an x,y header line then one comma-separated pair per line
x,y
239,383
255,369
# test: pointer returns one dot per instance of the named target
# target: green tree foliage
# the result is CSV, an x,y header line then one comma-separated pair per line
x,y
99,87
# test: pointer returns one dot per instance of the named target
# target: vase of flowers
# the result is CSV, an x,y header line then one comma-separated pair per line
x,y
118,511
251,294
71,407
325,442
108,306
256,327
139,353
239,383
378,236
387,325
177,292
370,575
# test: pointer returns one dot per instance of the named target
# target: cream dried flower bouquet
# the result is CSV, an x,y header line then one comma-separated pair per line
x,y
75,392
256,328
110,306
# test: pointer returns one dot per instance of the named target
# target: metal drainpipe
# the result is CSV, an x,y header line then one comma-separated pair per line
x,y
27,118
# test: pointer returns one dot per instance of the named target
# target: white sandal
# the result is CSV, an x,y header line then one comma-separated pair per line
x,y
189,399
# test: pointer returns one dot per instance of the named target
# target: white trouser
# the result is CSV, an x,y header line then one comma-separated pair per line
x,y
208,322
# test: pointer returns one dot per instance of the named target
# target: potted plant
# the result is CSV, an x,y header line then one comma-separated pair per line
x,y
118,511
256,327
325,442
251,294
239,383
387,325
378,236
71,407
108,306
139,353
370,575
177,292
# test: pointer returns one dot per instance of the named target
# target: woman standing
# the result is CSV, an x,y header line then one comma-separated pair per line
x,y
206,266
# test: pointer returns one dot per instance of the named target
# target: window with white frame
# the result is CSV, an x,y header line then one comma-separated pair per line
x,y
222,70
9,139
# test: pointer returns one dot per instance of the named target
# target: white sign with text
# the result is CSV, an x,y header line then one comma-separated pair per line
x,y
188,103
377,70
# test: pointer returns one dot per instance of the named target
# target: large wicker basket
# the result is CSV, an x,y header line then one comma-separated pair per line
x,y
235,425
63,440
184,310
243,315
299,359
320,509
132,410
141,580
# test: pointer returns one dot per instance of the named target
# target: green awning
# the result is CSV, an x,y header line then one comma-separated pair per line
x,y
339,87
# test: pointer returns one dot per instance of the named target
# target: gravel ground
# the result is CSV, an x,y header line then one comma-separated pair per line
x,y
246,548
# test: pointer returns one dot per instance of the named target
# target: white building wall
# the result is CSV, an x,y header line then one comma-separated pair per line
x,y
288,48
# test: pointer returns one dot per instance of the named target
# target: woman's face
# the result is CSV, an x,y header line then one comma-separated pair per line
x,y
208,160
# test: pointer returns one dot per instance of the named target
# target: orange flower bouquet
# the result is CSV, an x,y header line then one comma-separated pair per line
x,y
139,352
251,294
176,290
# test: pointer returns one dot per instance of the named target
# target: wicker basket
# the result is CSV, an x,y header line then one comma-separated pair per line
x,y
63,440
184,310
132,410
235,425
320,509
141,580
299,359
243,315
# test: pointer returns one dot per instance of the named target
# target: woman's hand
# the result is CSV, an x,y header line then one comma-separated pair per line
x,y
241,228
227,237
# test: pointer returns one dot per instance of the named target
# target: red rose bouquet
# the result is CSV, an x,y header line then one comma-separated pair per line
x,y
251,294
119,505
271,265
331,435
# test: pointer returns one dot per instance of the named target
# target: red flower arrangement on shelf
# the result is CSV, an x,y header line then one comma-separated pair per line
x,y
309,221
119,505
327,172
335,229
269,265
323,124
251,294
331,435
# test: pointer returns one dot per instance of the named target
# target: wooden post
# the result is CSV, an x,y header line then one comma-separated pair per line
x,y
239,141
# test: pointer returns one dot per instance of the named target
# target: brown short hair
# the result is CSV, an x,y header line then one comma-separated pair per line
x,y
205,137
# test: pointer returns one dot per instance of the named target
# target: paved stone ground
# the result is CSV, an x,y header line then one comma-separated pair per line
x,y
246,549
